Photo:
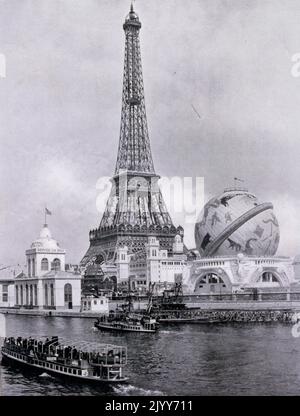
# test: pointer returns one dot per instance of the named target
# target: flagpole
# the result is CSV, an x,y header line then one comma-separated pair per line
x,y
47,212
237,180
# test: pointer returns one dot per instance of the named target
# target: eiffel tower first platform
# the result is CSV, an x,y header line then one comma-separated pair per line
x,y
135,208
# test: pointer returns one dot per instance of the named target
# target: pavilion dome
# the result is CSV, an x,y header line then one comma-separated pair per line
x,y
45,241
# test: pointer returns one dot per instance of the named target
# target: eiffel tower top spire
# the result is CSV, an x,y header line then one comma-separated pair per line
x,y
134,154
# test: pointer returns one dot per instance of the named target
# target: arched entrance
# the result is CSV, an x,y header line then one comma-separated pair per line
x,y
269,278
68,296
210,283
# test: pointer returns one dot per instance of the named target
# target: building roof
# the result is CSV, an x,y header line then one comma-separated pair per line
x,y
10,272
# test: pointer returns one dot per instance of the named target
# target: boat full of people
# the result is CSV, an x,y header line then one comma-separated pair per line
x,y
85,361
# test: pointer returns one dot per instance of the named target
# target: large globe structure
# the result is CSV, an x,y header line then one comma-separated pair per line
x,y
236,222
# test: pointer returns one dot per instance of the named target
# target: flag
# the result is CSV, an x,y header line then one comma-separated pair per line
x,y
237,179
48,212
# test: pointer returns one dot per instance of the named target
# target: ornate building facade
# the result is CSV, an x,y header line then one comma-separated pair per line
x,y
135,208
152,265
230,274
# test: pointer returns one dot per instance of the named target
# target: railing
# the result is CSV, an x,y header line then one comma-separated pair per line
x,y
243,297
163,230
225,297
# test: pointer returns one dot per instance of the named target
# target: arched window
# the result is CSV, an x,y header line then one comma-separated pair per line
x,y
68,296
33,267
45,264
56,265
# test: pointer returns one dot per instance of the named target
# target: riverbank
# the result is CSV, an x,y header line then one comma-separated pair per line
x,y
48,314
192,307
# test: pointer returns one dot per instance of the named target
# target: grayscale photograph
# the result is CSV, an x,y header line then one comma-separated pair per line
x,y
150,200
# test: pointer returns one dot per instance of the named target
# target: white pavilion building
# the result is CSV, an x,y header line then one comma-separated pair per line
x,y
47,285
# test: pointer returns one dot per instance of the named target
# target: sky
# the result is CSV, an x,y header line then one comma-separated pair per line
x,y
60,101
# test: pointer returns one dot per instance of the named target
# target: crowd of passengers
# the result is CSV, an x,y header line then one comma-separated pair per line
x,y
63,354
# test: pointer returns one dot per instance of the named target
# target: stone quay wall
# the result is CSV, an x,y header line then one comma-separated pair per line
x,y
230,304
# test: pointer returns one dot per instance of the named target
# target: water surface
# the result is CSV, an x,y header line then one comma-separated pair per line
x,y
223,359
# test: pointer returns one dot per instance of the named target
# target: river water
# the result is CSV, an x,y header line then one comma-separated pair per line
x,y
195,359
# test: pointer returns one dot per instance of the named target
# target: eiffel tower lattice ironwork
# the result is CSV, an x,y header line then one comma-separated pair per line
x,y
135,208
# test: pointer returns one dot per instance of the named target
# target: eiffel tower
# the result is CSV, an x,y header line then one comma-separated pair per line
x,y
135,208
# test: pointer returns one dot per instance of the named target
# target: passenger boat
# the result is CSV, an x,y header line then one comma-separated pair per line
x,y
103,364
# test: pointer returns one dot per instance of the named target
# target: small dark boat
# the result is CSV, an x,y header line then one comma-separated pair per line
x,y
104,364
128,321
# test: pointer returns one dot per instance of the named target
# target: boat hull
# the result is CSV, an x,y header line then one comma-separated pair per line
x,y
107,327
